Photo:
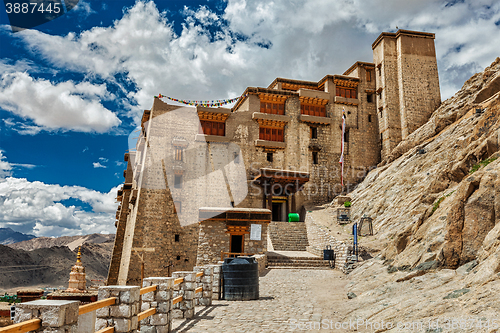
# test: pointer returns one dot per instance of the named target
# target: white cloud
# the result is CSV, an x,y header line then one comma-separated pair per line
x,y
259,40
5,166
99,165
35,207
64,105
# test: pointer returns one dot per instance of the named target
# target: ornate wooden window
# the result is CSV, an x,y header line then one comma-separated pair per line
x,y
346,92
272,108
212,128
271,134
313,110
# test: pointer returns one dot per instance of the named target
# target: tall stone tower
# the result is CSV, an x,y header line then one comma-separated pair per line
x,y
407,84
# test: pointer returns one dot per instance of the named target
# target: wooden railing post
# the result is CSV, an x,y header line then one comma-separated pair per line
x,y
59,316
123,314
185,308
161,300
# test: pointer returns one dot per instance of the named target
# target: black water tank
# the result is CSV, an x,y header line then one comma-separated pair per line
x,y
241,279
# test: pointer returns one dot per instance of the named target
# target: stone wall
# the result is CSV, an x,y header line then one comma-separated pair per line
x,y
319,239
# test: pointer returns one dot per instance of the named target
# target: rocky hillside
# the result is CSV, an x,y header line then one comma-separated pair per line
x,y
9,236
47,262
70,241
435,204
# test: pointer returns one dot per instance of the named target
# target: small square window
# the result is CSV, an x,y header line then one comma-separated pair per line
x,y
269,157
178,181
315,157
177,238
314,132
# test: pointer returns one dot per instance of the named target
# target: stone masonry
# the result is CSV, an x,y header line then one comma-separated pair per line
x,y
123,314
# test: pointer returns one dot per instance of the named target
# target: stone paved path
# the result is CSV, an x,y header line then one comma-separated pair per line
x,y
286,296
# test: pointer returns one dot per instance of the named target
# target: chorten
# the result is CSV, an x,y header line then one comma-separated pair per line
x,y
77,276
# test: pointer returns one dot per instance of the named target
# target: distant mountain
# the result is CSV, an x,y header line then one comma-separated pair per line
x,y
72,242
9,236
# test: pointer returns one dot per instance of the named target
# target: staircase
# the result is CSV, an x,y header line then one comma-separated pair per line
x,y
295,259
288,236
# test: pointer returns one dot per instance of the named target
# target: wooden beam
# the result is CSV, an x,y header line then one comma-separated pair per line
x,y
106,330
199,274
148,289
25,326
198,290
177,299
179,280
145,314
83,309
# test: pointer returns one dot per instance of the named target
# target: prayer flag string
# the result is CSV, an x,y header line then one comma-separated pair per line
x,y
208,104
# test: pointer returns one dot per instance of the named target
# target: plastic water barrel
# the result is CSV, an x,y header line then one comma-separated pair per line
x,y
293,217
241,279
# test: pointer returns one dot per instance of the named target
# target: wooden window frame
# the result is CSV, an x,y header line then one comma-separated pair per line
x,y
272,107
344,92
217,128
275,134
313,110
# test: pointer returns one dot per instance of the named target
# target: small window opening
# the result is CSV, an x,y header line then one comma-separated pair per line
x,y
177,238
178,257
346,136
314,132
269,157
369,98
178,153
315,157
178,181
186,259
369,118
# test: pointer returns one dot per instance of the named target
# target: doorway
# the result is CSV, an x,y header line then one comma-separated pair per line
x,y
236,245
279,210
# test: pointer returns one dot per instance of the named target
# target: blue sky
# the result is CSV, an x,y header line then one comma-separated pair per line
x,y
73,89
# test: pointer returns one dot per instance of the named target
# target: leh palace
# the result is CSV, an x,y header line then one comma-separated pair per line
x,y
182,202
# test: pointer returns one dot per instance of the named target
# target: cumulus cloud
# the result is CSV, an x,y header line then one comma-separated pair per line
x,y
63,105
252,42
98,165
38,208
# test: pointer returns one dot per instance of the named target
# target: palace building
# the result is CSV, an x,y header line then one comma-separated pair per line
x,y
282,142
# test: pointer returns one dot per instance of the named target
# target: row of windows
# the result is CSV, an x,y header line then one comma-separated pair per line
x,y
212,128
272,108
271,134
346,92
313,110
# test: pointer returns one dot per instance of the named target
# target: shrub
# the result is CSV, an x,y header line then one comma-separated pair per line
x,y
347,204
482,163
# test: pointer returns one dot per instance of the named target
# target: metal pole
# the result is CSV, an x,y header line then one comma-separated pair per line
x,y
355,234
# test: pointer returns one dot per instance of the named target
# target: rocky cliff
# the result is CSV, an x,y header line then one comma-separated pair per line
x,y
435,204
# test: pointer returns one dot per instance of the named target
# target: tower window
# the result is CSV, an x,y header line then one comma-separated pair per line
x,y
315,157
269,157
346,136
178,181
178,153
177,238
314,132
369,98
369,118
